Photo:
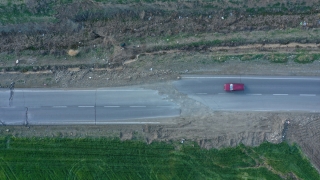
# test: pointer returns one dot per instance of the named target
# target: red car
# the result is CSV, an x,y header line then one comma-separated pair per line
x,y
233,87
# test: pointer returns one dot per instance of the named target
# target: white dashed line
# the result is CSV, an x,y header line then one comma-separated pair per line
x,y
127,123
221,93
280,94
244,77
111,106
201,93
206,77
163,106
307,95
138,106
34,107
254,94
124,90
59,106
85,106
55,91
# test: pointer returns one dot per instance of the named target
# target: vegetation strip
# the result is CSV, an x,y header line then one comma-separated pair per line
x,y
84,158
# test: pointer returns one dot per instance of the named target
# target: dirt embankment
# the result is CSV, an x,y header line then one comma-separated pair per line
x,y
87,25
304,130
215,130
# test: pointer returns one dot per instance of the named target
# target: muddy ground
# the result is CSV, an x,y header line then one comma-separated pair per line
x,y
92,44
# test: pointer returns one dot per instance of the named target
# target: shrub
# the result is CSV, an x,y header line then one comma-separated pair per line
x,y
219,58
278,58
304,58
249,57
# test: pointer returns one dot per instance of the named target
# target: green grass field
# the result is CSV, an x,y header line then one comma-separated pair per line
x,y
58,158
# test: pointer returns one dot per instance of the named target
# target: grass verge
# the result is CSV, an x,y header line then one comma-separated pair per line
x,y
59,158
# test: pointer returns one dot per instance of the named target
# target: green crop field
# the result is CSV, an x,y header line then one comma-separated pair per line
x,y
59,158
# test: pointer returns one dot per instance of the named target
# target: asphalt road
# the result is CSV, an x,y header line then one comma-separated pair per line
x,y
131,105
261,93
101,106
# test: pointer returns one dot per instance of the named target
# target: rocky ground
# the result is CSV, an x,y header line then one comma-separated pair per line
x,y
92,44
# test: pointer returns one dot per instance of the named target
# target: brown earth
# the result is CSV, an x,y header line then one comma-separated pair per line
x,y
158,49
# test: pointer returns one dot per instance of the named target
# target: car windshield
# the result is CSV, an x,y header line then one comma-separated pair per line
x,y
231,87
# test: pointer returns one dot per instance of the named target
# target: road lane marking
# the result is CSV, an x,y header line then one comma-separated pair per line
x,y
262,110
7,107
124,90
207,77
138,106
59,106
127,123
218,77
34,107
307,95
111,106
201,93
80,90
221,93
85,106
51,91
280,94
280,78
254,94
